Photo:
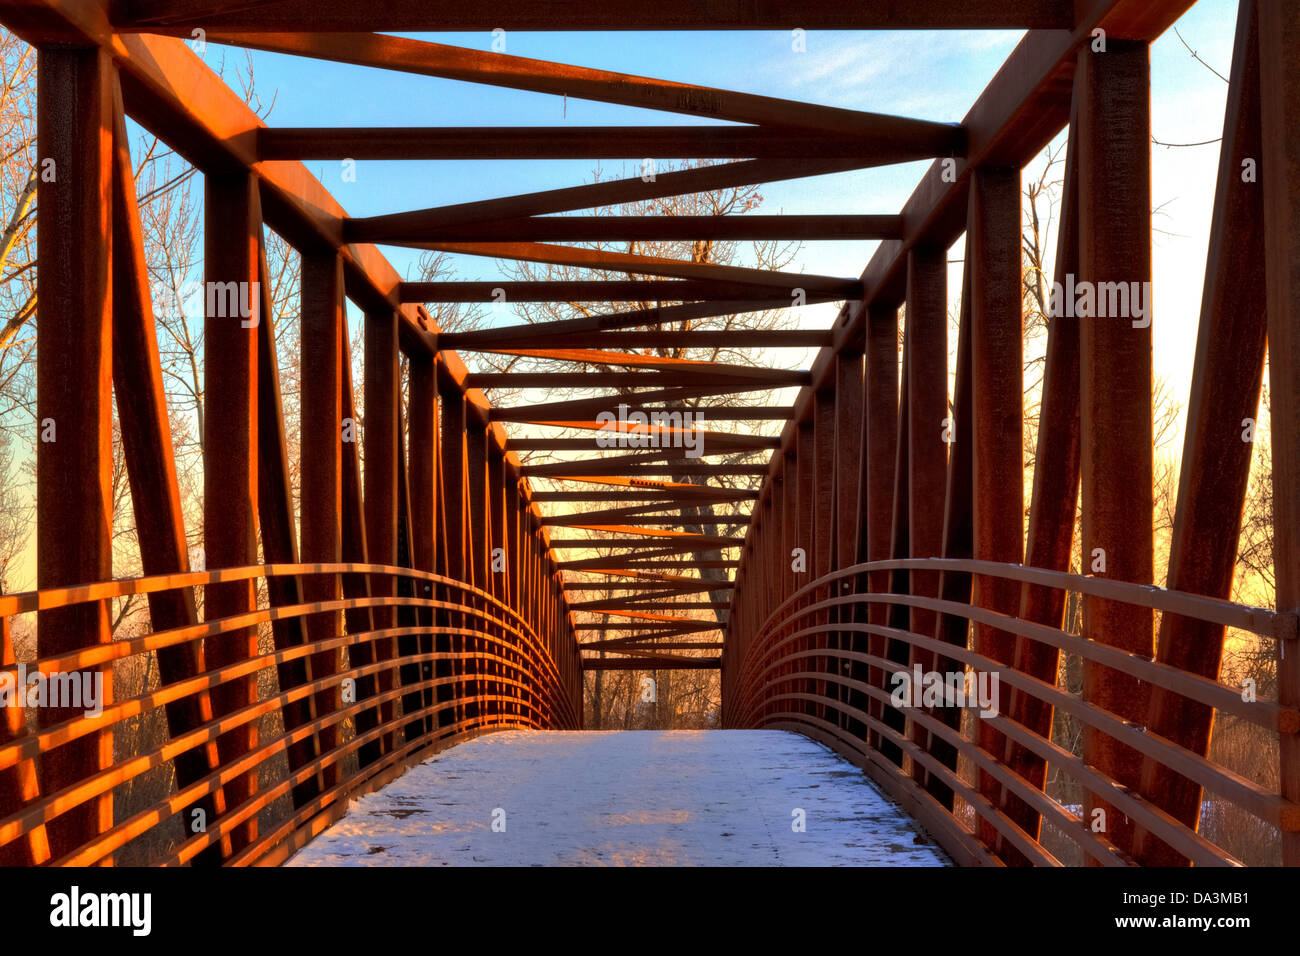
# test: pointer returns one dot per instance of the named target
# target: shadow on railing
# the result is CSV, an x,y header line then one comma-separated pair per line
x,y
321,720
843,668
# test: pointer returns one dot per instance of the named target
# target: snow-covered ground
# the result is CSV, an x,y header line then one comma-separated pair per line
x,y
660,798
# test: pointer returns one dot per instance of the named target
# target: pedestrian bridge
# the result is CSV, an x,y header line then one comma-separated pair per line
x,y
386,640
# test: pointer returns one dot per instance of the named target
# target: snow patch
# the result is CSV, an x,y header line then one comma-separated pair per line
x,y
626,798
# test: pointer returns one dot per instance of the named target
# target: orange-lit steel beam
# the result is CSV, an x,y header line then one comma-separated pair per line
x,y
681,542
651,663
670,585
1216,460
997,412
637,514
617,290
276,517
544,333
663,228
322,432
465,16
594,356
689,626
721,413
791,284
718,442
636,644
1049,543
380,387
74,462
581,470
585,409
638,525
1115,379
734,338
925,356
640,494
594,195
596,142
151,471
1279,32
744,377
230,445
496,68
647,562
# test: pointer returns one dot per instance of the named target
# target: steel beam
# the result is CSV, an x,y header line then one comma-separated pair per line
x,y
1116,379
1279,32
74,455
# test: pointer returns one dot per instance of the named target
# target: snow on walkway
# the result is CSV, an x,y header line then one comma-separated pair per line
x,y
660,798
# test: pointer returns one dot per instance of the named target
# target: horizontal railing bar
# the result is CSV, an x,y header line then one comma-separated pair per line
x,y
76,727
995,817
1172,831
1269,807
53,805
1267,714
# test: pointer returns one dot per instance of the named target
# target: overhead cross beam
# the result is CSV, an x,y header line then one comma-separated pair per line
x,y
745,378
657,662
655,316
414,16
599,142
680,182
717,413
651,228
718,442
662,339
582,257
541,76
622,290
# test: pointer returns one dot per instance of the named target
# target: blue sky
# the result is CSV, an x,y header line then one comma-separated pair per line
x,y
934,75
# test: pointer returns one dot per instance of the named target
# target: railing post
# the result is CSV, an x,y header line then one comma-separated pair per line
x,y
380,388
498,564
321,476
1050,540
823,527
879,455
74,456
1215,471
806,507
955,586
279,533
423,486
997,412
849,474
1279,33
789,581
232,237
926,355
1115,387
147,452
455,565
479,550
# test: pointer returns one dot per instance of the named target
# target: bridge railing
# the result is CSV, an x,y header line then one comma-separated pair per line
x,y
844,667
267,749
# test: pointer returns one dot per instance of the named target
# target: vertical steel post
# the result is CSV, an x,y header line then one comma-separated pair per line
x,y
1115,385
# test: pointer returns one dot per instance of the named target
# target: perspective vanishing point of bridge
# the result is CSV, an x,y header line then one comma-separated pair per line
x,y
359,624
